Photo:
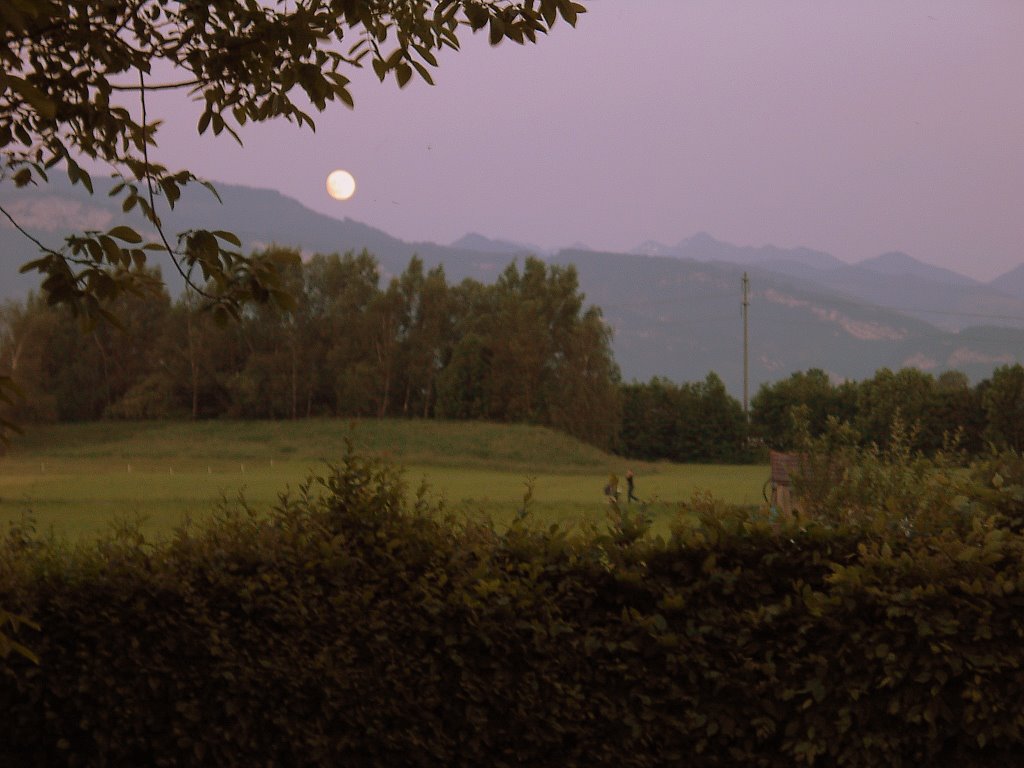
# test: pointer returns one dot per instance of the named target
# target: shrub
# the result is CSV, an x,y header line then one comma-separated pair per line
x,y
355,625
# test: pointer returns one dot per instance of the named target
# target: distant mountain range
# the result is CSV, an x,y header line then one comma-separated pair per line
x,y
675,309
892,280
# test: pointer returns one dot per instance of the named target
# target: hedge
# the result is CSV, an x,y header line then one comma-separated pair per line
x,y
351,627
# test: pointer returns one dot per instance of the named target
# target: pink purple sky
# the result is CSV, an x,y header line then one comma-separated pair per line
x,y
850,126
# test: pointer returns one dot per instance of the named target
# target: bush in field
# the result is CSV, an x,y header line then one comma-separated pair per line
x,y
997,483
888,491
354,625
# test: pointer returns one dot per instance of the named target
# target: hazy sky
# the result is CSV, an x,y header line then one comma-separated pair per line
x,y
850,126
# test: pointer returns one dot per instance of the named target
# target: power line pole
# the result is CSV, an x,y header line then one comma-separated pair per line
x,y
746,304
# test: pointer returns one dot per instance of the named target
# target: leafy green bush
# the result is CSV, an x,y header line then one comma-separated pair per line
x,y
889,492
353,626
997,483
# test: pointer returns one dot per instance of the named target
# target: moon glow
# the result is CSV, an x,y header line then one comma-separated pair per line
x,y
341,185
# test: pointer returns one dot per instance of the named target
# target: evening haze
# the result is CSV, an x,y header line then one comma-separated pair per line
x,y
853,127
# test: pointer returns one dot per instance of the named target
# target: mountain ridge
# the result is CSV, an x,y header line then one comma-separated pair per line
x,y
898,263
892,280
474,241
673,314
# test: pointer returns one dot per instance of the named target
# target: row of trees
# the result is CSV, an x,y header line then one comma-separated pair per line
x,y
939,411
702,422
522,349
697,421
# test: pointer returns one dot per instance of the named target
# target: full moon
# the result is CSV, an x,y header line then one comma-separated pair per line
x,y
341,185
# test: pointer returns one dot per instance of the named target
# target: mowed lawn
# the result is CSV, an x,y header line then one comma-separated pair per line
x,y
79,479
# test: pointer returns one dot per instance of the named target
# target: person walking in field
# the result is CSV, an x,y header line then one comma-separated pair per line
x,y
630,496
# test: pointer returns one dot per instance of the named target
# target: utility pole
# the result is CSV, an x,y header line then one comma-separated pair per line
x,y
746,304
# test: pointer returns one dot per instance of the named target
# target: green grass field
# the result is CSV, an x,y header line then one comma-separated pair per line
x,y
76,479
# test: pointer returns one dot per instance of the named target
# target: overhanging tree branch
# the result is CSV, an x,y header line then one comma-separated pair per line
x,y
246,62
186,276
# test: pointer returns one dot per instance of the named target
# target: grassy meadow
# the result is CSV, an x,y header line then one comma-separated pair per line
x,y
78,479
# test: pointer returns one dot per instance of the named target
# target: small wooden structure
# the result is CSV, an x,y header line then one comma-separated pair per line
x,y
783,467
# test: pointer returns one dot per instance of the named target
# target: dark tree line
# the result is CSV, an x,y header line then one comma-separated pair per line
x,y
702,422
697,421
523,349
939,411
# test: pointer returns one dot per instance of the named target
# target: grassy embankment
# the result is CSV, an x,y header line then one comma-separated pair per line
x,y
78,478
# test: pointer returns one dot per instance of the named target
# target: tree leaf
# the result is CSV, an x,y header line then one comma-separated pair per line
x,y
127,234
231,237
35,98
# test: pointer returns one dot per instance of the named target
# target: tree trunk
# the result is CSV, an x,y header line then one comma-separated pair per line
x,y
387,391
426,397
106,368
295,384
193,365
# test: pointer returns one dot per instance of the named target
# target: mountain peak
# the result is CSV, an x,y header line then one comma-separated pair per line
x,y
698,240
1011,282
474,241
577,245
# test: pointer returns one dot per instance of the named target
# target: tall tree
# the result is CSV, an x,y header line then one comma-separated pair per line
x,y
341,290
1004,405
128,351
24,331
649,419
199,357
910,395
536,314
425,339
772,408
273,380
584,398
960,411
387,318
721,424
462,386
